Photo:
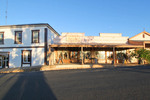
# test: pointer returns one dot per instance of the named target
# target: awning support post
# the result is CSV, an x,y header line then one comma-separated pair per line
x,y
114,55
82,55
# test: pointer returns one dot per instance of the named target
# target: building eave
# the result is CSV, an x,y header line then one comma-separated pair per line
x,y
97,45
30,25
139,34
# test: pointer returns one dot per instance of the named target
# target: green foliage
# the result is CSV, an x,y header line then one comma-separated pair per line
x,y
142,54
119,56
122,56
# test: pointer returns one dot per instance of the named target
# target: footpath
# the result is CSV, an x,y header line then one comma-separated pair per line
x,y
63,67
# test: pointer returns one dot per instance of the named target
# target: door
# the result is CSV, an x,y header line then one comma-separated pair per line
x,y
1,62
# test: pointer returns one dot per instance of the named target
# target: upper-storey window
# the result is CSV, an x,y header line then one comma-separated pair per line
x,y
1,37
35,36
18,37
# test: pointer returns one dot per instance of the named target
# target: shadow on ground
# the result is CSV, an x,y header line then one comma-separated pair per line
x,y
139,69
30,87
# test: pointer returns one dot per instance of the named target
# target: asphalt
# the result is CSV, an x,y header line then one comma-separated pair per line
x,y
124,83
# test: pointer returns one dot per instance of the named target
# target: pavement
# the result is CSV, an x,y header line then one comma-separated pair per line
x,y
118,83
62,67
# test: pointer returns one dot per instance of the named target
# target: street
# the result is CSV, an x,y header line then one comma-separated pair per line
x,y
126,83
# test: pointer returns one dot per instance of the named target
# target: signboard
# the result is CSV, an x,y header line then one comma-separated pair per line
x,y
74,39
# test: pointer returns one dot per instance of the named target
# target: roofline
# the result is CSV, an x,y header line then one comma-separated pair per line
x,y
23,24
110,33
52,29
139,34
35,24
96,45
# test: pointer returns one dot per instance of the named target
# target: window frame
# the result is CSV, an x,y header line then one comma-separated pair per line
x,y
3,38
22,56
16,37
38,36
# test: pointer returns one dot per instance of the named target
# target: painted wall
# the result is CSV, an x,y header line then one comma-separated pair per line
x,y
80,38
15,56
50,55
110,34
141,38
15,53
9,36
51,36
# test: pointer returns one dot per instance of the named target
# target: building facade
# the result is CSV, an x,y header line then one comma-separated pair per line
x,y
78,48
39,44
25,45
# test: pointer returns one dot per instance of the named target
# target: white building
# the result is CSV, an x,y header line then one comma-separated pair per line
x,y
25,45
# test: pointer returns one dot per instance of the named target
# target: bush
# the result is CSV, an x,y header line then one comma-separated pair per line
x,y
142,54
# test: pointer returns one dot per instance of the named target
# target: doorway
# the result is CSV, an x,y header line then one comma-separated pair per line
x,y
1,62
4,60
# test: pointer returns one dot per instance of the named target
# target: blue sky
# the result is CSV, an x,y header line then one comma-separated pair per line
x,y
92,17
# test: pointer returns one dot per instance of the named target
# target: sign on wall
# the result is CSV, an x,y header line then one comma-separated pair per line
x,y
74,39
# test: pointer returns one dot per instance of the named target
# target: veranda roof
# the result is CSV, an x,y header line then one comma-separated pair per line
x,y
118,45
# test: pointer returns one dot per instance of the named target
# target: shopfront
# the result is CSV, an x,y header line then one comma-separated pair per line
x,y
77,48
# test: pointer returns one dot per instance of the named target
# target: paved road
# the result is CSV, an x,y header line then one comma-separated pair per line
x,y
88,84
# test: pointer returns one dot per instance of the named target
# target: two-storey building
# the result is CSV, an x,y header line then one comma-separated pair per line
x,y
25,45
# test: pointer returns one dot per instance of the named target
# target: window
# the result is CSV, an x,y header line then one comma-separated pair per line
x,y
4,60
26,57
143,36
74,54
147,45
0,62
18,37
1,37
86,55
101,54
66,55
35,36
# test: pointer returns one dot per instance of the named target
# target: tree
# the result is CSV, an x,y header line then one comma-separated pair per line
x,y
141,54
121,57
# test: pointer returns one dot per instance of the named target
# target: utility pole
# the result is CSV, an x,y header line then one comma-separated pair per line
x,y
0,16
6,12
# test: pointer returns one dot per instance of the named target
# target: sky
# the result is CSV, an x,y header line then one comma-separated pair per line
x,y
91,17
